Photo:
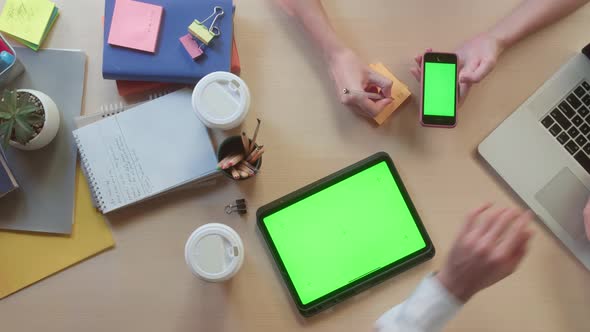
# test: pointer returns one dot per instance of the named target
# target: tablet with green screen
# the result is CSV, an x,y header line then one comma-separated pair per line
x,y
344,233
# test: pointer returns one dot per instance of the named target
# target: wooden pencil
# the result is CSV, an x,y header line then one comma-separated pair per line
x,y
234,173
230,161
224,161
243,174
243,167
235,160
246,143
253,144
257,155
253,152
250,166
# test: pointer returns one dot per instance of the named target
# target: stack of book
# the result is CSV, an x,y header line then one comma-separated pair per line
x,y
49,222
145,53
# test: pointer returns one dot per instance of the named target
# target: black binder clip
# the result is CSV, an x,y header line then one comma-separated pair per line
x,y
239,207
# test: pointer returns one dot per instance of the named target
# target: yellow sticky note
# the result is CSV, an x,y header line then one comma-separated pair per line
x,y
26,258
399,93
26,19
198,30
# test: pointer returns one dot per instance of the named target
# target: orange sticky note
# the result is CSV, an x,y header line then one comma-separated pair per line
x,y
135,25
399,93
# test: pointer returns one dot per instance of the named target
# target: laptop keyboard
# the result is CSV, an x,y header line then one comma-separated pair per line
x,y
569,123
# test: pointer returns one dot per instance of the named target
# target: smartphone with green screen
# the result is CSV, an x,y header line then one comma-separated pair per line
x,y
439,90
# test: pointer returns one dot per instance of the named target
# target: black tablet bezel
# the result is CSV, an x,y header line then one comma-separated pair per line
x,y
366,281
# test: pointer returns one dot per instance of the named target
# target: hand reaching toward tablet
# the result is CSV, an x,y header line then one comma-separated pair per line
x,y
349,72
489,247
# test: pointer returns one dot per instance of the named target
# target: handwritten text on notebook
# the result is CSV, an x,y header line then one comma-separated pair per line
x,y
125,180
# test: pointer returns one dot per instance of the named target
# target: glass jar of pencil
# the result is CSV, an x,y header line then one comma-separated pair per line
x,y
240,157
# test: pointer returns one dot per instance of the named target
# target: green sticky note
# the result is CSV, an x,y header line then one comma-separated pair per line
x,y
198,30
36,47
26,20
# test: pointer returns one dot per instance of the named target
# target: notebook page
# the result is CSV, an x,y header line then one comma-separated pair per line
x,y
145,150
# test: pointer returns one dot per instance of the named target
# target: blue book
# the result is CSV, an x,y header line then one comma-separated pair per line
x,y
171,63
7,181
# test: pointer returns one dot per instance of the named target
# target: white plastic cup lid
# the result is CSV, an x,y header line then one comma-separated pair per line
x,y
214,252
221,100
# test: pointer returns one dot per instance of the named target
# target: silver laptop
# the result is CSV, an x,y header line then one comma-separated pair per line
x,y
542,151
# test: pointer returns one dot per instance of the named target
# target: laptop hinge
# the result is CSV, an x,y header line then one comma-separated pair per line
x,y
586,51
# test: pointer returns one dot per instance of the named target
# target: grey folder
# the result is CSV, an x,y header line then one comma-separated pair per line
x,y
45,200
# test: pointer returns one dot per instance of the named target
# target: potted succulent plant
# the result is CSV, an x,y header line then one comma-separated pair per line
x,y
29,119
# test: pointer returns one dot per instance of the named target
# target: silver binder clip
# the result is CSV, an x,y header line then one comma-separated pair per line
x,y
238,206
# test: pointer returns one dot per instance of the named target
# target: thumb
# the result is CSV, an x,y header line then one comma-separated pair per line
x,y
416,73
381,81
381,104
477,75
463,92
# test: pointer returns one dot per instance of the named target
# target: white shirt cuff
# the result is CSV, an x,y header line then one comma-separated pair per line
x,y
428,309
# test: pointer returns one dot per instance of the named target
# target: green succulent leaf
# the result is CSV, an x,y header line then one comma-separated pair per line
x,y
27,109
18,116
6,131
23,131
5,115
36,119
5,106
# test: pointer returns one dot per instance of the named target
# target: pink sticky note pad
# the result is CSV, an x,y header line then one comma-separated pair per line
x,y
191,46
135,25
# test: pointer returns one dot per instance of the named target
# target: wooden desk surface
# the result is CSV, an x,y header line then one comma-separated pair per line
x,y
144,285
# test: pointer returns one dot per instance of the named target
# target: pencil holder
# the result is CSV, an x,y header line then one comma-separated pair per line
x,y
233,145
11,71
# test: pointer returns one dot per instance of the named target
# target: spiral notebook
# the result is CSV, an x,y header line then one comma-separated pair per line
x,y
144,151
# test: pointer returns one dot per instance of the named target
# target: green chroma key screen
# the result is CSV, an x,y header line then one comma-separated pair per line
x,y
439,89
344,232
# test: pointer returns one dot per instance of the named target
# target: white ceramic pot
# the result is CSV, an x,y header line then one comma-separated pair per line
x,y
50,127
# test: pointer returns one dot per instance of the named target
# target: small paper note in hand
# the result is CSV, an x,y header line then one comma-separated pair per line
x,y
399,93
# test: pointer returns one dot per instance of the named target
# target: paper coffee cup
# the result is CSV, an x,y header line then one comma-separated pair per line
x,y
221,100
214,252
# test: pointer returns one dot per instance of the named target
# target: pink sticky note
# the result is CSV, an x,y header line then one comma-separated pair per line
x,y
191,46
135,25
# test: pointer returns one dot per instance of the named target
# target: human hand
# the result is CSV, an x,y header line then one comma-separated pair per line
x,y
349,72
417,72
587,219
487,250
477,57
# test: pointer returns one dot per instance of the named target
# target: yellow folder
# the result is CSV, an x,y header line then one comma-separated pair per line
x,y
26,258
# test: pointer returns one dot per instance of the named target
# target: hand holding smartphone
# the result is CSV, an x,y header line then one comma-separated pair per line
x,y
439,90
